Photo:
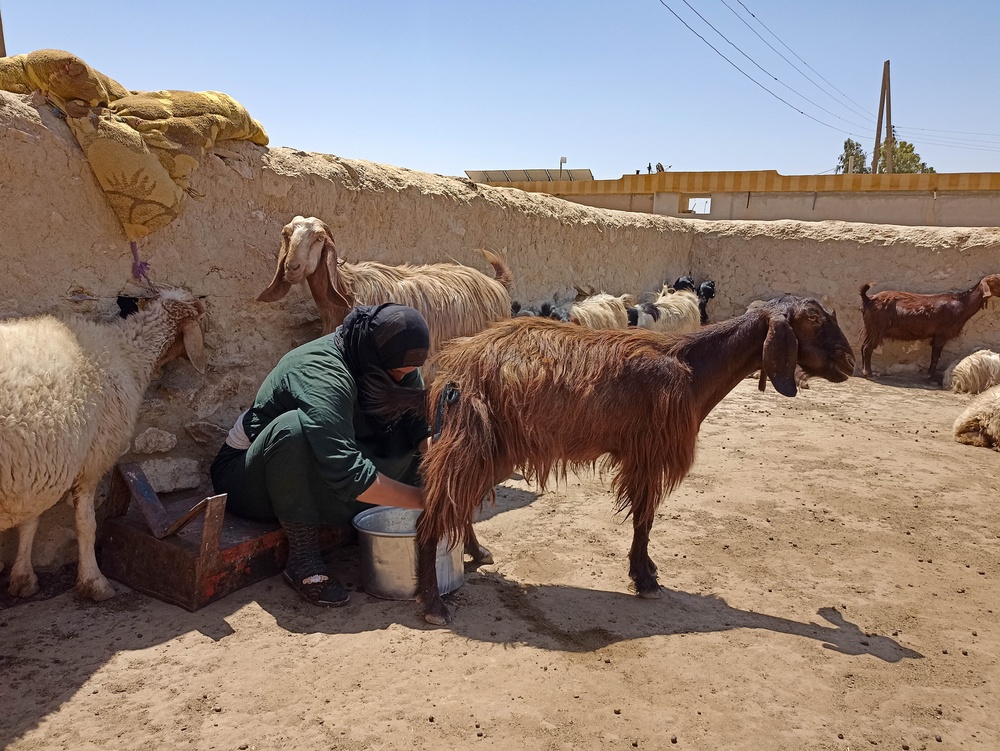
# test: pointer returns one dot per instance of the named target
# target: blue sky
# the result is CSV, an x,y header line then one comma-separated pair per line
x,y
462,84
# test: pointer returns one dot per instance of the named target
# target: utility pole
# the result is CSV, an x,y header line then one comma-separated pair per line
x,y
890,137
881,108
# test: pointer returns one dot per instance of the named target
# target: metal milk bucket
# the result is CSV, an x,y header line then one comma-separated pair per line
x,y
388,540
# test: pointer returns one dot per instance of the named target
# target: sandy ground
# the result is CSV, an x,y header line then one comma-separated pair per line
x,y
830,569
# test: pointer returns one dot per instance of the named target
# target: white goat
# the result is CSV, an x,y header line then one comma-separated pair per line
x,y
979,424
455,300
601,311
973,374
674,311
70,392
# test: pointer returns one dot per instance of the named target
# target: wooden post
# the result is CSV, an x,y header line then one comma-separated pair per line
x,y
889,136
3,47
881,107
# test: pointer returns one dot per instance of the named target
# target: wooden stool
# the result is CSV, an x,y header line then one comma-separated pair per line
x,y
188,552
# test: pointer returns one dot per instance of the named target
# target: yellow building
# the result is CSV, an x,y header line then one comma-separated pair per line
x,y
931,199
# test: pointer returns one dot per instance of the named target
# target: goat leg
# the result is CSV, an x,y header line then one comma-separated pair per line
x,y
936,346
642,570
480,555
428,593
866,358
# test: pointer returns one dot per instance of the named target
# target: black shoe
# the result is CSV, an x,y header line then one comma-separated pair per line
x,y
319,589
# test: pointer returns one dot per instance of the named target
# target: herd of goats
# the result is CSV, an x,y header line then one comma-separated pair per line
x,y
631,382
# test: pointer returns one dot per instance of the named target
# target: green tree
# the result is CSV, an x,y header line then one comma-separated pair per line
x,y
853,148
904,159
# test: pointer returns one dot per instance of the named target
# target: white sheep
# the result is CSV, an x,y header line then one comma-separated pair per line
x,y
455,300
70,391
601,311
973,374
674,311
979,424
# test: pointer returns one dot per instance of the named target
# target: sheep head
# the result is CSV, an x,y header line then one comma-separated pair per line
x,y
308,253
802,332
186,313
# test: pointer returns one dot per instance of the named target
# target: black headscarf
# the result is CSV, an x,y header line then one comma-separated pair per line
x,y
373,340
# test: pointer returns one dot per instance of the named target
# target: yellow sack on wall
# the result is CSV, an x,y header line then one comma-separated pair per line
x,y
180,127
140,191
142,145
65,79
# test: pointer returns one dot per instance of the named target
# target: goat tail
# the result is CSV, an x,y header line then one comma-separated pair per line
x,y
463,438
500,268
864,291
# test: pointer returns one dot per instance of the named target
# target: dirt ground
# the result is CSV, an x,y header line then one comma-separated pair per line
x,y
830,570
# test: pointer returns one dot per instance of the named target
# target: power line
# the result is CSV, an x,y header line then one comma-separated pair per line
x,y
930,140
768,73
898,127
963,132
803,61
966,141
925,142
751,78
804,75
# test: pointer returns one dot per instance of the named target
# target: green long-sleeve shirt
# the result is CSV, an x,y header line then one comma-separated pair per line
x,y
314,379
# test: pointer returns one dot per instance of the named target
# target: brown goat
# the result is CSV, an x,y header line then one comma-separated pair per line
x,y
907,316
536,395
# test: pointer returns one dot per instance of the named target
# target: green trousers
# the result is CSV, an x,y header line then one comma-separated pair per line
x,y
277,478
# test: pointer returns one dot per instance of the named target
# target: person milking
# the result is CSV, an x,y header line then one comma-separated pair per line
x,y
338,426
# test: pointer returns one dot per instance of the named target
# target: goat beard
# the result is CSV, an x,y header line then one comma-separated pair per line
x,y
389,401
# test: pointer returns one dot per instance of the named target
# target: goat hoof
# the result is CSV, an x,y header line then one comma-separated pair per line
x,y
23,586
435,613
652,594
437,619
482,557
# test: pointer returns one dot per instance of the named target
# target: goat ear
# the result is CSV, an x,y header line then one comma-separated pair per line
x,y
278,287
332,303
780,355
984,287
336,292
194,344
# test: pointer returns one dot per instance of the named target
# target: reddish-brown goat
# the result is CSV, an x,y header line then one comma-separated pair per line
x,y
907,316
538,395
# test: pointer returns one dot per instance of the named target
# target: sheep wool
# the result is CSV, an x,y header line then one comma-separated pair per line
x,y
601,311
973,374
979,424
70,392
